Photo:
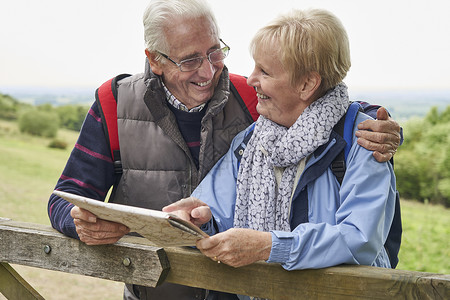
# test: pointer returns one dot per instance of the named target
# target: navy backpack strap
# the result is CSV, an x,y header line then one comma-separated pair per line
x,y
344,128
394,239
349,123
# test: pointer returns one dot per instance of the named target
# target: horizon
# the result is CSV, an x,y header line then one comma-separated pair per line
x,y
419,100
7,89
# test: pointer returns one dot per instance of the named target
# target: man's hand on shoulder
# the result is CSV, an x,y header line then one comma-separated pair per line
x,y
382,136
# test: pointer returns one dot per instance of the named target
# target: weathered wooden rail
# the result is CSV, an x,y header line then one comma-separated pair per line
x,y
133,260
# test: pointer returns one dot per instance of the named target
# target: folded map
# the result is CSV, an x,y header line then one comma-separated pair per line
x,y
160,228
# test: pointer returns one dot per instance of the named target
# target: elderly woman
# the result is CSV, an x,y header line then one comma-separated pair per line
x,y
277,204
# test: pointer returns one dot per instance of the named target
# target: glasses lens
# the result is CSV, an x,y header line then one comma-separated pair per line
x,y
195,63
190,64
218,55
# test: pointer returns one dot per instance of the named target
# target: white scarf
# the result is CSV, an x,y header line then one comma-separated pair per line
x,y
260,203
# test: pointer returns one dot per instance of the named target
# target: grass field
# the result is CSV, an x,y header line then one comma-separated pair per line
x,y
29,171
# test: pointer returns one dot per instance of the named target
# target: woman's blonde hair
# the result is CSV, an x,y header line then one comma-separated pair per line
x,y
308,41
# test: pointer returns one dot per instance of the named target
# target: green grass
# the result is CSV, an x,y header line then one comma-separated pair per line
x,y
426,238
29,171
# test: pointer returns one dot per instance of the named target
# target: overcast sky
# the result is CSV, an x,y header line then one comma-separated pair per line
x,y
395,44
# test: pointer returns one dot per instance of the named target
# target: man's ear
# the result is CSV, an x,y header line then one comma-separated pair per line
x,y
155,65
309,85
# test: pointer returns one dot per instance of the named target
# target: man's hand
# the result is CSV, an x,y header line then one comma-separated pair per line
x,y
237,247
383,138
190,209
94,231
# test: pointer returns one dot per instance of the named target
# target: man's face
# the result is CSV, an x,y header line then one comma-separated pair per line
x,y
189,38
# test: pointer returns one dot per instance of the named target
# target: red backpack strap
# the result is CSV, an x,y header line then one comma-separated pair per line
x,y
106,98
246,92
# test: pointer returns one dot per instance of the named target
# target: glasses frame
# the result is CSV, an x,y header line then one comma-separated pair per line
x,y
208,57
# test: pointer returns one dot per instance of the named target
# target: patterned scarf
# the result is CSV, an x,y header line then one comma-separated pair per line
x,y
260,203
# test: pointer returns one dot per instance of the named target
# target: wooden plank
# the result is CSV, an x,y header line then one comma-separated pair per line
x,y
43,247
189,267
434,286
13,286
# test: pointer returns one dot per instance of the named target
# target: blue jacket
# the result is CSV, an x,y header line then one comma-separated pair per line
x,y
330,225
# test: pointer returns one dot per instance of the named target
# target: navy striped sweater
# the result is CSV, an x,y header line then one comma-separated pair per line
x,y
90,172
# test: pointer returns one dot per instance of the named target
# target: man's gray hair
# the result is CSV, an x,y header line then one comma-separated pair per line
x,y
160,13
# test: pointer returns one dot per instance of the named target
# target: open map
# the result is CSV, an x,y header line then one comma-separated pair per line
x,y
160,228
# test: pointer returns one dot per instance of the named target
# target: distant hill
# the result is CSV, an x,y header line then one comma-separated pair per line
x,y
406,104
10,106
54,96
401,104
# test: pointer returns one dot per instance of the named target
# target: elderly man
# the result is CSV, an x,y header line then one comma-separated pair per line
x,y
174,121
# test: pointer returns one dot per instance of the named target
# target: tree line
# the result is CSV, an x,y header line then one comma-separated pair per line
x,y
422,163
42,120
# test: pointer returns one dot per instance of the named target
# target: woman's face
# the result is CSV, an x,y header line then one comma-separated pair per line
x,y
277,99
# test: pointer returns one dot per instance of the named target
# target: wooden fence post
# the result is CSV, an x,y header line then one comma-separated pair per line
x,y
13,286
43,247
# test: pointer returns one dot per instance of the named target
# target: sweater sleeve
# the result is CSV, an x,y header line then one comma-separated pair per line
x,y
89,172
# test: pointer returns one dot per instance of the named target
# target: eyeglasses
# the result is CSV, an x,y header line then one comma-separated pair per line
x,y
192,64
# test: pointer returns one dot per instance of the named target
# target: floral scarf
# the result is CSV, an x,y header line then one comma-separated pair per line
x,y
261,203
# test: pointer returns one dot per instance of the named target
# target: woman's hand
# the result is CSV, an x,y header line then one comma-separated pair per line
x,y
237,247
382,135
190,209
